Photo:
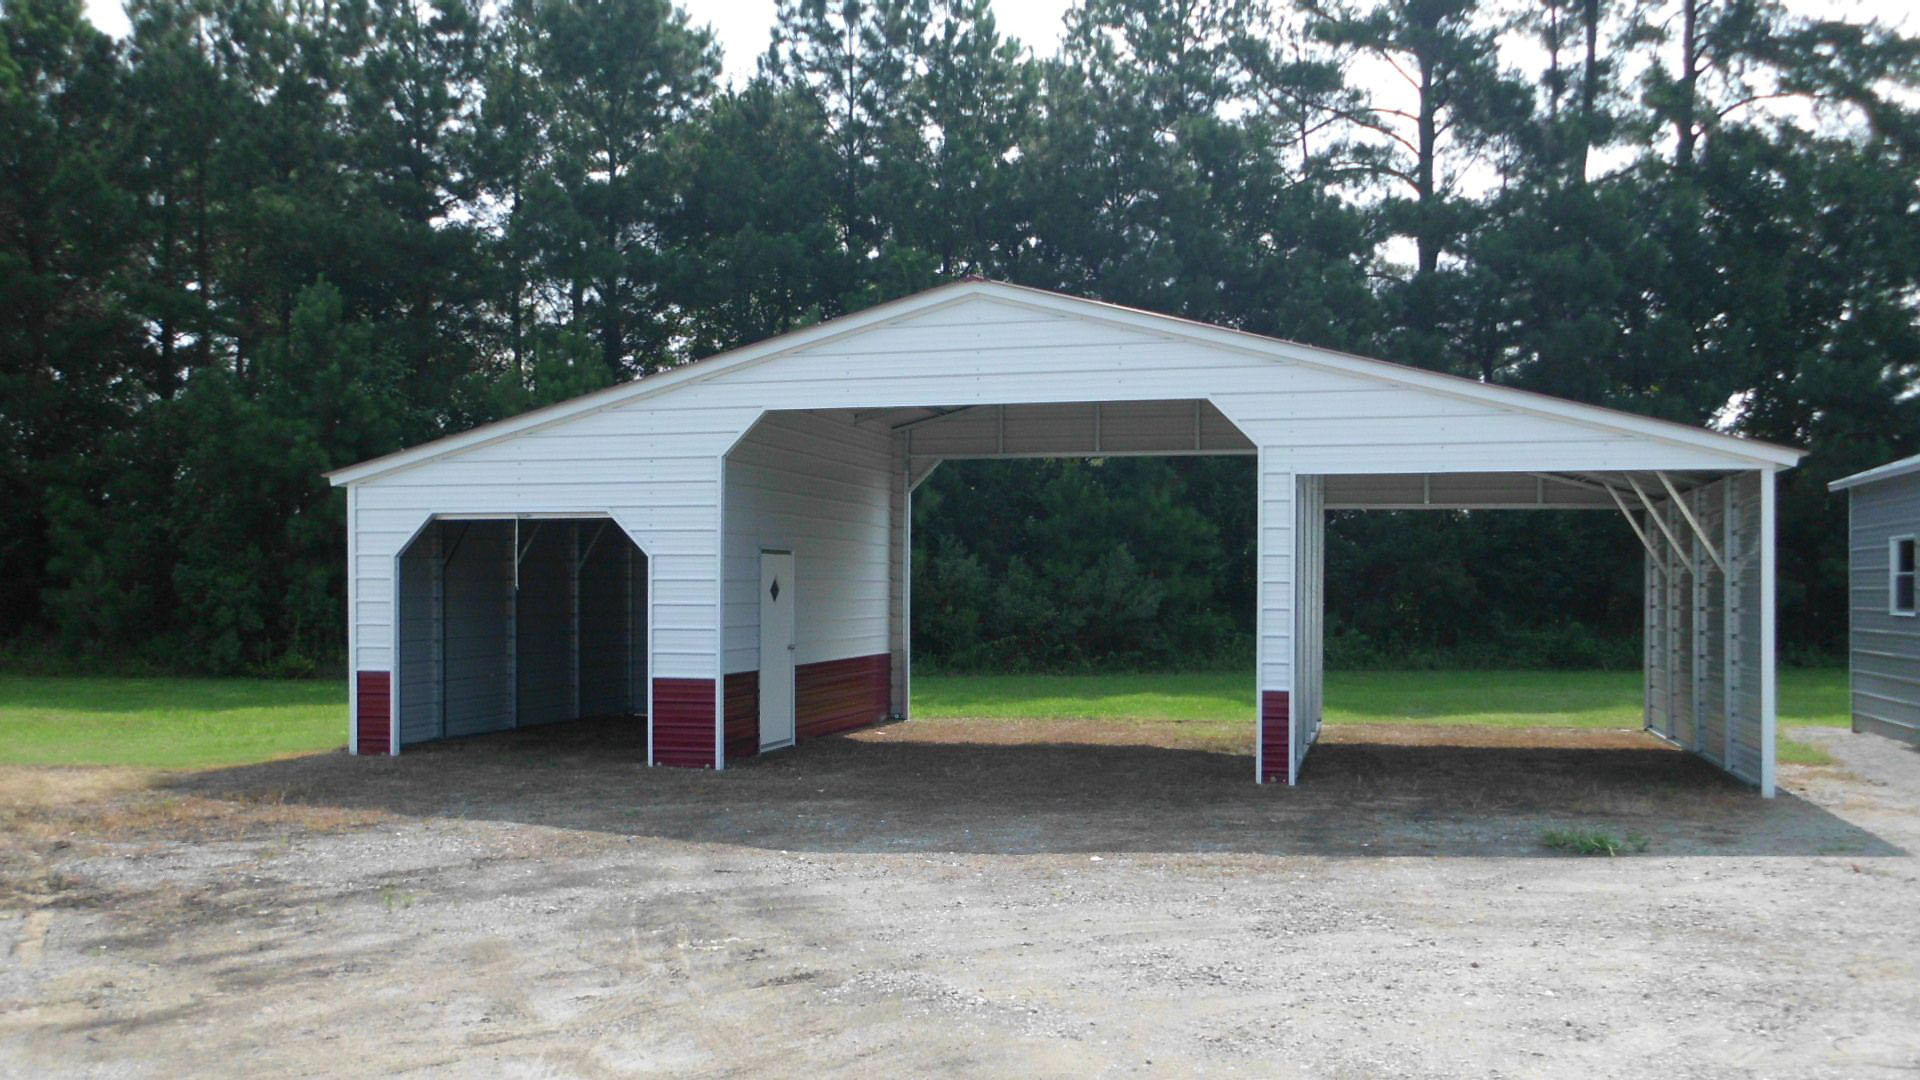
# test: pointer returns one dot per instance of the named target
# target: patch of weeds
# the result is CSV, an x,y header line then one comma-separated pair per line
x,y
1591,841
1795,752
395,899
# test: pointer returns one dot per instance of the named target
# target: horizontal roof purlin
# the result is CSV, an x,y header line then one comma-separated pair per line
x,y
1762,455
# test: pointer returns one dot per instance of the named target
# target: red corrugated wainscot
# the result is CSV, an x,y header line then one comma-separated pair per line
x,y
1275,747
840,695
373,712
683,723
743,714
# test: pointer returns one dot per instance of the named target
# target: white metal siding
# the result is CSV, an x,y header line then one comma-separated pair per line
x,y
648,464
1708,650
826,487
823,490
1273,657
900,573
649,460
417,677
988,351
1309,616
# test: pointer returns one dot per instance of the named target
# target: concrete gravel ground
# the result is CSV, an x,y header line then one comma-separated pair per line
x,y
971,899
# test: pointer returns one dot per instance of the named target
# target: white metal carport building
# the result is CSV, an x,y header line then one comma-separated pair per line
x,y
723,548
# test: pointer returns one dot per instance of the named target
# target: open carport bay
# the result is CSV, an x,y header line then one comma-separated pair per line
x,y
958,897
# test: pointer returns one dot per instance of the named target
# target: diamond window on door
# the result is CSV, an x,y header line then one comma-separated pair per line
x,y
775,590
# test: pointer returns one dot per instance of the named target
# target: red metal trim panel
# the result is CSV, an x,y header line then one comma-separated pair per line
x,y
683,723
1276,747
743,714
373,712
840,695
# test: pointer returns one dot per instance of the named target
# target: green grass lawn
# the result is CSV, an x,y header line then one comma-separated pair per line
x,y
166,723
198,723
1609,699
1221,703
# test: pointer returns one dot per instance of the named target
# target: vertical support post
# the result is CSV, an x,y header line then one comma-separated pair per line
x,y
1669,660
906,597
513,629
1309,682
393,656
1730,614
1700,627
573,618
628,698
720,614
1768,685
1275,539
1674,611
353,628
647,671
437,553
1649,635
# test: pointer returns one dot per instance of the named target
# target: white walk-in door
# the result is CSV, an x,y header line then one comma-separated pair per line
x,y
776,649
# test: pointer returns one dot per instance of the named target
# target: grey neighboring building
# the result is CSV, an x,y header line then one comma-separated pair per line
x,y
1883,629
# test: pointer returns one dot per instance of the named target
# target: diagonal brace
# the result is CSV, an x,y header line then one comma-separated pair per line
x,y
1637,530
597,534
1686,512
1658,520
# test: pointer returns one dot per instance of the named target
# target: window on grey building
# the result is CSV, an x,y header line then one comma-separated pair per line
x,y
1900,579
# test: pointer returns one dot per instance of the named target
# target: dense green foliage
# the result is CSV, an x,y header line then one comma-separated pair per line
x,y
257,240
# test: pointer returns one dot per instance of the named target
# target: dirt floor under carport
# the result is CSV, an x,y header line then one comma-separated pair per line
x,y
968,898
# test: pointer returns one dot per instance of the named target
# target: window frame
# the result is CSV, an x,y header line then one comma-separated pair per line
x,y
1894,574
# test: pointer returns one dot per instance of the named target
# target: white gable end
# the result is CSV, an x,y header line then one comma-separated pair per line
x,y
978,343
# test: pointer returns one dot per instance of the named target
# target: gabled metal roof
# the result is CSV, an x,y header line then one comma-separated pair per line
x,y
1762,455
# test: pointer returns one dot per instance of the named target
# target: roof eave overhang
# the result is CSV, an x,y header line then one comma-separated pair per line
x,y
1892,470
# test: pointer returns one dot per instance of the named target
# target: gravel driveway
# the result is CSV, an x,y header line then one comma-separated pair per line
x,y
967,898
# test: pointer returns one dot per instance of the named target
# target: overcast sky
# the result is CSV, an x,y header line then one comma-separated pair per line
x,y
742,25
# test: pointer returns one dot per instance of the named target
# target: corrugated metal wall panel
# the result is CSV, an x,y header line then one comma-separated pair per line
x,y
479,613
1746,752
1884,648
1183,426
823,490
1679,599
420,662
683,722
1709,507
653,462
609,636
840,695
373,712
899,574
1306,704
1704,641
742,712
544,642
1274,627
1275,736
652,467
